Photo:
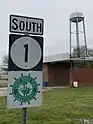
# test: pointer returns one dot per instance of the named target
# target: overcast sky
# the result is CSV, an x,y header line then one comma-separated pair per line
x,y
56,16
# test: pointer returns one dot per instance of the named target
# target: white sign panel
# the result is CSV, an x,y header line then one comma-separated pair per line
x,y
24,89
29,25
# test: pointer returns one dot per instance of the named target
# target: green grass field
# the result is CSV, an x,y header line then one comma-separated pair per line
x,y
3,83
60,106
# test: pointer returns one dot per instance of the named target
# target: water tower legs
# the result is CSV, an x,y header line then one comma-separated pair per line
x,y
77,38
85,37
70,38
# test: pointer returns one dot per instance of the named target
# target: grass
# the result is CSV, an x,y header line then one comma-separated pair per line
x,y
3,83
60,106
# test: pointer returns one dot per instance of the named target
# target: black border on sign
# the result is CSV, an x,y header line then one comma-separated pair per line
x,y
29,18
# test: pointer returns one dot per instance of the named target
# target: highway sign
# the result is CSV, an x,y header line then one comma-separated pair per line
x,y
25,71
26,25
25,53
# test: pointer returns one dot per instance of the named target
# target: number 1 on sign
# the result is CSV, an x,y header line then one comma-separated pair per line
x,y
26,52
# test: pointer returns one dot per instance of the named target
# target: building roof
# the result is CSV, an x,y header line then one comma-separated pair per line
x,y
57,57
64,57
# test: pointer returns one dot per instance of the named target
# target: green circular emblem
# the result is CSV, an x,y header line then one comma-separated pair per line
x,y
24,89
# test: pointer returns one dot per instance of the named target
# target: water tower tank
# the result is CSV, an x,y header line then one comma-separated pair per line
x,y
76,15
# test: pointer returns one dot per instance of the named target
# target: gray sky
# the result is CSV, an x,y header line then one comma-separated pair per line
x,y
56,15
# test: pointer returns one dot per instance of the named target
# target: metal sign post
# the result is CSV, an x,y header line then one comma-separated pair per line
x,y
24,117
25,64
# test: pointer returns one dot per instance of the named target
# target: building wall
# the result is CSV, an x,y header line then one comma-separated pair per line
x,y
60,74
51,74
45,72
83,75
57,73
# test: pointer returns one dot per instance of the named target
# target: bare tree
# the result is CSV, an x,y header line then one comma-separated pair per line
x,y
82,52
5,63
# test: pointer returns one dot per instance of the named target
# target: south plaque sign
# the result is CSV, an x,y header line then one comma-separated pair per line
x,y
29,25
25,63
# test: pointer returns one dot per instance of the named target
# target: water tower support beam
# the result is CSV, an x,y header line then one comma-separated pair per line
x,y
77,38
85,38
70,38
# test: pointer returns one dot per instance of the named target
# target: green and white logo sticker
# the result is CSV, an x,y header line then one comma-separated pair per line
x,y
24,89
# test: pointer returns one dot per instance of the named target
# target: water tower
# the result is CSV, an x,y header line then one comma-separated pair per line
x,y
77,18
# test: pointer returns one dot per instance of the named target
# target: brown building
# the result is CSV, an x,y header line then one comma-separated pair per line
x,y
58,72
